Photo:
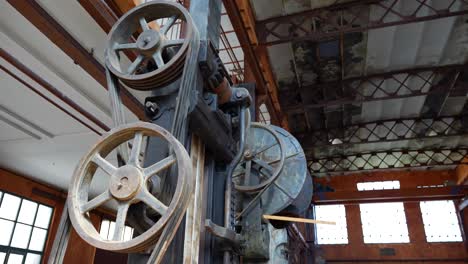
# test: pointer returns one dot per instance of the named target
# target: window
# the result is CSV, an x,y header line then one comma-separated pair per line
x,y
264,115
24,228
108,227
440,221
379,185
331,234
383,222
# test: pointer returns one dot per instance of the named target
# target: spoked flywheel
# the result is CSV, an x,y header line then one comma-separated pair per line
x,y
263,159
126,186
150,33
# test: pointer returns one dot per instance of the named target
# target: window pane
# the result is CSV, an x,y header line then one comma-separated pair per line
x,y
128,233
2,257
21,236
43,216
111,230
10,206
331,234
384,223
38,239
6,228
440,221
33,259
27,212
104,229
380,185
15,259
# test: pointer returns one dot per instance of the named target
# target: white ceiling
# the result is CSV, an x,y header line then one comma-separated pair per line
x,y
37,139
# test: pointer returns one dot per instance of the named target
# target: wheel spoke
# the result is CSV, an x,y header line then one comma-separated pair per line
x,y
173,42
120,221
132,68
136,149
264,149
144,25
104,164
169,23
159,166
248,167
147,198
123,46
264,165
96,201
158,59
238,175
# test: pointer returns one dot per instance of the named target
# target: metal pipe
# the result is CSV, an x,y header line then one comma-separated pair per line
x,y
49,100
231,167
23,68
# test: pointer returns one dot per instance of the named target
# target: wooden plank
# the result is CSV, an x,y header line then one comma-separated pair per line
x,y
45,23
297,219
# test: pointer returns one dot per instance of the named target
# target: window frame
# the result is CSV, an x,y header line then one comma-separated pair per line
x,y
319,226
457,219
24,251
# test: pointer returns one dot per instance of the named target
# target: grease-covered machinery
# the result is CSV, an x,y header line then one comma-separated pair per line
x,y
205,206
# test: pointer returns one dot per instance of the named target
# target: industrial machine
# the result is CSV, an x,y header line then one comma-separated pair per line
x,y
194,181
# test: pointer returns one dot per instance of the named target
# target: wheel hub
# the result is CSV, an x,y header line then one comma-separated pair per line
x,y
148,42
125,182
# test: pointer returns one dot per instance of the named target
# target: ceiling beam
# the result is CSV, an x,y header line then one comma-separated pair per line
x,y
52,29
391,159
384,131
54,91
375,87
257,60
329,22
397,195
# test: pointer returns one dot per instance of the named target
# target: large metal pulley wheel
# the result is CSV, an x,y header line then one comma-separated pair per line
x,y
263,159
151,32
274,170
126,185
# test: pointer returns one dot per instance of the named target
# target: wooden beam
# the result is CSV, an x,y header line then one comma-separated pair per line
x,y
35,14
398,195
265,84
462,172
408,179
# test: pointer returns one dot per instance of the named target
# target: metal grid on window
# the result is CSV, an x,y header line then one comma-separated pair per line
x,y
264,114
440,221
108,227
331,234
24,227
378,185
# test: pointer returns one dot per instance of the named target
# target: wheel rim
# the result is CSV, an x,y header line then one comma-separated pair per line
x,y
269,170
151,45
126,186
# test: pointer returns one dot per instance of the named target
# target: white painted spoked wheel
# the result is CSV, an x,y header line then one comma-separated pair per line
x,y
127,186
